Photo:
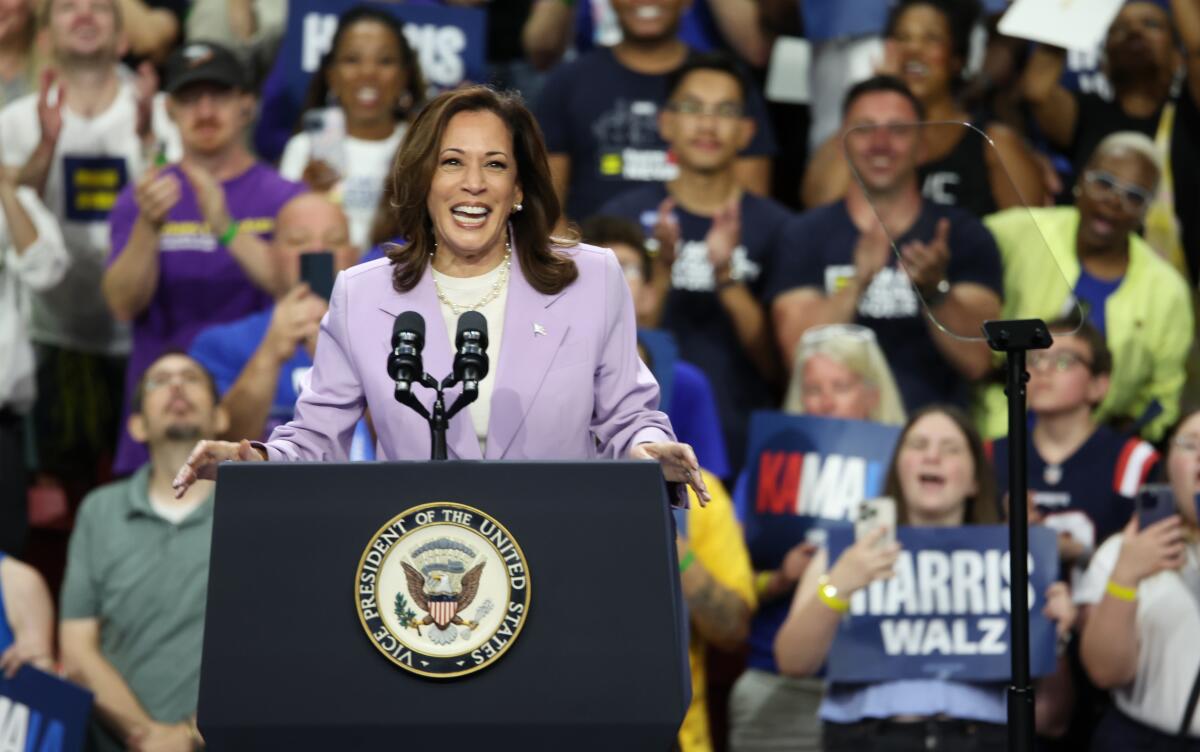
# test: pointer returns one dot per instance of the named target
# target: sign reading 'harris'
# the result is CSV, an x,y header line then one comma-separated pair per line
x,y
945,613
442,590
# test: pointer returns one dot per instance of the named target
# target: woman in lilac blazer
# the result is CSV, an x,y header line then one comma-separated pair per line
x,y
472,194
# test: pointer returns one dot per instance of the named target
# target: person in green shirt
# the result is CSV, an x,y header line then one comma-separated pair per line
x,y
132,611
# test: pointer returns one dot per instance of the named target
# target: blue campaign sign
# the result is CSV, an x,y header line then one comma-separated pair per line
x,y
42,713
945,614
450,43
803,471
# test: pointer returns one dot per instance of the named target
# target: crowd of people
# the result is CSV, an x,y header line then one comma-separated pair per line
x,y
834,259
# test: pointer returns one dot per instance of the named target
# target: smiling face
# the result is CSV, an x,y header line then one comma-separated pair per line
x,y
1061,380
474,186
84,30
367,75
882,141
927,60
833,390
1105,217
936,471
1183,466
649,21
705,123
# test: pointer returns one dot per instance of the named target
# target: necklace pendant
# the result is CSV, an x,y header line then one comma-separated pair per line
x,y
1052,474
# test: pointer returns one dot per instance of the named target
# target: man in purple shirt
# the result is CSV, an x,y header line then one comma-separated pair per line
x,y
188,240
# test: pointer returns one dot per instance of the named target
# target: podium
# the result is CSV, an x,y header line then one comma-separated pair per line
x,y
600,663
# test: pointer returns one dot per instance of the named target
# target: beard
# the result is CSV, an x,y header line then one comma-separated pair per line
x,y
189,432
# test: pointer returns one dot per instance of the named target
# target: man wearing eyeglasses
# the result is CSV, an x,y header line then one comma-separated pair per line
x,y
715,242
1067,447
1136,300
132,611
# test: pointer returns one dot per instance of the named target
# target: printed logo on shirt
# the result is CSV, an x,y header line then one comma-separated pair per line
x,y
941,188
442,590
91,186
693,271
890,296
629,145
197,236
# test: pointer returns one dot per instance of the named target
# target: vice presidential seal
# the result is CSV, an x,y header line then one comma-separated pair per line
x,y
442,590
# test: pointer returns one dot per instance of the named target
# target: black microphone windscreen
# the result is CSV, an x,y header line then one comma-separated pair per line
x,y
472,321
410,321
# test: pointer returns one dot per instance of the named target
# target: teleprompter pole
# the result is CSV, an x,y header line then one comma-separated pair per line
x,y
1015,339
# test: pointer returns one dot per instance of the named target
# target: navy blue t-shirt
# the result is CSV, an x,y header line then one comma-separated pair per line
x,y
693,312
604,116
817,251
1091,494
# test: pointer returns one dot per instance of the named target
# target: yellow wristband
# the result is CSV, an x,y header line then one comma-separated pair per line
x,y
762,582
1120,592
828,594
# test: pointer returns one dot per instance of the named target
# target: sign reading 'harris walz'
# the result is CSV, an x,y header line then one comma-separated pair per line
x,y
945,613
442,590
804,471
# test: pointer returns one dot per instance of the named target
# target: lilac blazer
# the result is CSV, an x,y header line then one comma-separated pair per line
x,y
577,391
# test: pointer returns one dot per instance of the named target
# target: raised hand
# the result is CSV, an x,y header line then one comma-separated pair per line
x,y
863,563
723,237
210,197
926,262
202,462
295,321
1059,608
666,233
871,253
155,193
50,114
1145,553
679,464
145,86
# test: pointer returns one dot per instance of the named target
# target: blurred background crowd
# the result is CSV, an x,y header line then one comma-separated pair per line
x,y
791,239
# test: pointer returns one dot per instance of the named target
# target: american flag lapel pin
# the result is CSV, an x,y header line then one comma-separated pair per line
x,y
539,330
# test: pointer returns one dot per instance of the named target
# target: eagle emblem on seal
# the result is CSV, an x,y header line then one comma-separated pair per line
x,y
443,579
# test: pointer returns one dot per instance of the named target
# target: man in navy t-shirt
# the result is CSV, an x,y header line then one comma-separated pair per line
x,y
837,265
599,114
1083,477
258,361
721,241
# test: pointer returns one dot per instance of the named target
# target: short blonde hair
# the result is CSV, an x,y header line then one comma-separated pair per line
x,y
1134,143
856,348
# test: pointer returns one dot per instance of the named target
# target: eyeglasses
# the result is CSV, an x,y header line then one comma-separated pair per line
x,y
722,110
1060,361
185,378
1102,185
1186,443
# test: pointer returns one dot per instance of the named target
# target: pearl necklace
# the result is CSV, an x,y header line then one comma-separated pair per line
x,y
492,294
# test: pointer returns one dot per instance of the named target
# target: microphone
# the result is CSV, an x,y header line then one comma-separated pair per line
x,y
408,339
471,360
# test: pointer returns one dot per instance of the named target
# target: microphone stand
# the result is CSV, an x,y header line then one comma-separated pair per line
x,y
1015,339
439,418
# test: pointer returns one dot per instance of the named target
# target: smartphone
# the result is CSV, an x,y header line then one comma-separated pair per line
x,y
326,129
877,513
1155,501
316,270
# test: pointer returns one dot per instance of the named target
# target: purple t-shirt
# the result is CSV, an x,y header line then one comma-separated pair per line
x,y
199,282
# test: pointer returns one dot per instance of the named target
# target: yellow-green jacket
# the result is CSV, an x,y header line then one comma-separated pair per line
x,y
1148,319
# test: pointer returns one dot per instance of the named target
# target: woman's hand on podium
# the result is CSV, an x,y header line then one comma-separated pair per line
x,y
679,464
202,462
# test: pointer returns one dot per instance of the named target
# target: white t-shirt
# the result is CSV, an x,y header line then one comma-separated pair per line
x,y
95,158
468,291
366,166
41,266
1168,629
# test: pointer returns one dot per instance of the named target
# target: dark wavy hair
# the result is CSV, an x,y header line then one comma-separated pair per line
x,y
318,85
412,174
961,17
982,508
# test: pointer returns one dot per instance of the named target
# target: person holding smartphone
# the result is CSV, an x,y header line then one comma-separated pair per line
x,y
356,115
939,477
1140,600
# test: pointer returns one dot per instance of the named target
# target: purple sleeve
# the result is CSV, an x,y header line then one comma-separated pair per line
x,y
120,223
